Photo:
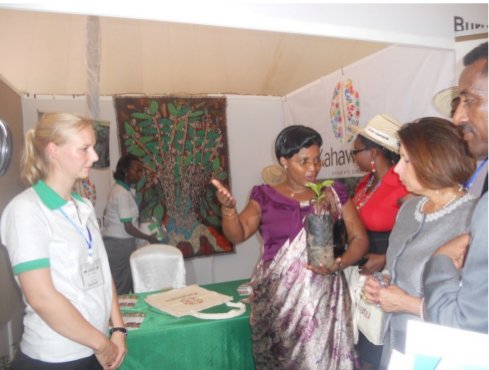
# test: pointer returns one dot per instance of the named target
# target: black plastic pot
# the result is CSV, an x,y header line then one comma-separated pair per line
x,y
319,230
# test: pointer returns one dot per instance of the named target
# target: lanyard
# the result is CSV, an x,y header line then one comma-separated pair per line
x,y
470,181
79,231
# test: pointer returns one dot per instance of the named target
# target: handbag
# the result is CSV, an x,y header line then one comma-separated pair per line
x,y
340,237
366,317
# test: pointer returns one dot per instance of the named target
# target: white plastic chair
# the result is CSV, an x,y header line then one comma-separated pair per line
x,y
157,266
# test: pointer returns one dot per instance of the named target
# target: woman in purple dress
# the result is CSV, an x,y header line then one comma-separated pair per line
x,y
300,315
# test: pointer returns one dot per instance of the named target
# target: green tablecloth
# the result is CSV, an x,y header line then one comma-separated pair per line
x,y
167,342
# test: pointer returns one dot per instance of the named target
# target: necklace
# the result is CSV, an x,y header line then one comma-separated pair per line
x,y
419,215
436,208
363,197
293,193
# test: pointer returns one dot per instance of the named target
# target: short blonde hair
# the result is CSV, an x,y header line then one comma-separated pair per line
x,y
54,128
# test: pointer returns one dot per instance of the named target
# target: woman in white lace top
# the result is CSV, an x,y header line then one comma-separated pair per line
x,y
434,163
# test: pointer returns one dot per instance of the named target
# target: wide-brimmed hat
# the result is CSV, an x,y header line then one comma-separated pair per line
x,y
273,174
443,99
382,129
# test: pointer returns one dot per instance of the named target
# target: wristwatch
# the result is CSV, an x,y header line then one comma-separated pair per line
x,y
122,330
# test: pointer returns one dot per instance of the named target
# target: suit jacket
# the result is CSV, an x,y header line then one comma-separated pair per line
x,y
459,299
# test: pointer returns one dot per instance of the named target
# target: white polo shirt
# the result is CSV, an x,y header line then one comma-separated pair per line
x,y
121,207
38,235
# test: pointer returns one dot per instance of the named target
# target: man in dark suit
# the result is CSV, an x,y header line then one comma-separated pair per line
x,y
455,278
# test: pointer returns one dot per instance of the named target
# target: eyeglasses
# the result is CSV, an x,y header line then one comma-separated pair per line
x,y
306,162
356,151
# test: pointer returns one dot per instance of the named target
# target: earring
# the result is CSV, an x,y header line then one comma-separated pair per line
x,y
372,166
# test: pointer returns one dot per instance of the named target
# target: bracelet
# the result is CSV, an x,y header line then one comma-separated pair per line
x,y
341,263
231,213
421,309
118,328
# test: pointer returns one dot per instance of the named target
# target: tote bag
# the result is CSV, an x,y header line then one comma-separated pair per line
x,y
371,321
367,317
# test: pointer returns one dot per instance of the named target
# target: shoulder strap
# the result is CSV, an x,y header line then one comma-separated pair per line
x,y
338,203
241,308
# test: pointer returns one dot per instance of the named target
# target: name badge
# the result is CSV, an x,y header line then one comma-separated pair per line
x,y
92,274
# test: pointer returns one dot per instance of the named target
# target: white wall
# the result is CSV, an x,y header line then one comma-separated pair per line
x,y
253,123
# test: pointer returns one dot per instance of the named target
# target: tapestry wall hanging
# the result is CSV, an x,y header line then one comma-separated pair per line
x,y
182,143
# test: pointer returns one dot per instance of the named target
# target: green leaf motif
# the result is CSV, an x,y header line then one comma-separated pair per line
x,y
184,110
172,109
137,151
153,107
129,129
140,115
198,157
221,176
146,139
152,147
216,163
159,212
145,124
197,113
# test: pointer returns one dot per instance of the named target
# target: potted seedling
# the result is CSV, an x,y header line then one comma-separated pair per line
x,y
319,229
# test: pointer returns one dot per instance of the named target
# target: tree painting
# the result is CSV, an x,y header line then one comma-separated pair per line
x,y
182,143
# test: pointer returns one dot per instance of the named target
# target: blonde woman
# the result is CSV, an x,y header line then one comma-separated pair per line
x,y
58,257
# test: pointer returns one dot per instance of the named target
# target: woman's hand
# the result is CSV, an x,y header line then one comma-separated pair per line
x,y
375,263
223,194
371,290
455,249
107,355
392,299
153,239
323,270
119,339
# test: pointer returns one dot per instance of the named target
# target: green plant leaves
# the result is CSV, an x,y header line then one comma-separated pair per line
x,y
317,188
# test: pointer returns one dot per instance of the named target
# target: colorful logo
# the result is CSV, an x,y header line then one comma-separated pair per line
x,y
344,111
87,190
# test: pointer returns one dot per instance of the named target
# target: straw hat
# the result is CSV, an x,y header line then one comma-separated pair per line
x,y
382,130
443,99
273,174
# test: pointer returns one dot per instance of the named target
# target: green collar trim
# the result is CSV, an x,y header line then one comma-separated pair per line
x,y
123,184
49,197
77,196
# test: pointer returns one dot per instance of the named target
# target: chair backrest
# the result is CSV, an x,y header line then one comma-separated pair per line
x,y
157,266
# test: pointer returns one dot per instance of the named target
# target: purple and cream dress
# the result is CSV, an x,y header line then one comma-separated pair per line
x,y
299,319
